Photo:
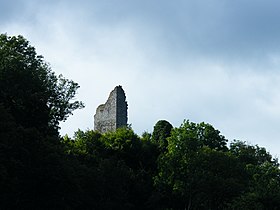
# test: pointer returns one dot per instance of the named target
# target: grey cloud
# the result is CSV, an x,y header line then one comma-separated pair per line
x,y
237,31
227,31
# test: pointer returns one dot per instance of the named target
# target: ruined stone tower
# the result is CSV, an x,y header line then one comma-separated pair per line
x,y
112,114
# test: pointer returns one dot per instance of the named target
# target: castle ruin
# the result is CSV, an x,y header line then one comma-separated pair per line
x,y
112,114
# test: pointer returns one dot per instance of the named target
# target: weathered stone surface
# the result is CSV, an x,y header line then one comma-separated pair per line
x,y
112,114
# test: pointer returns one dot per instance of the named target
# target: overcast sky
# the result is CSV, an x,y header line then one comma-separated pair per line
x,y
216,61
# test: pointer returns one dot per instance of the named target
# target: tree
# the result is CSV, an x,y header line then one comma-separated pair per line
x,y
263,177
85,144
162,130
249,154
196,171
29,90
34,171
124,144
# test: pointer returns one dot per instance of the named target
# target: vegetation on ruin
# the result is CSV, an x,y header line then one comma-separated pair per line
x,y
188,167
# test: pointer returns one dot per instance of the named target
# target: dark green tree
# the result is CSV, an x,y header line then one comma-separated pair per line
x,y
117,161
34,171
250,154
263,192
85,145
29,90
263,177
197,172
162,130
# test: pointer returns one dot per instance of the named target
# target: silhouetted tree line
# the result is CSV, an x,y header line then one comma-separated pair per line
x,y
189,167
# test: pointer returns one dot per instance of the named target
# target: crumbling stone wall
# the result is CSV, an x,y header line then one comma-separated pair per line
x,y
112,114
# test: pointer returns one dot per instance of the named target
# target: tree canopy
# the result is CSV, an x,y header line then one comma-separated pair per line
x,y
34,172
29,90
162,130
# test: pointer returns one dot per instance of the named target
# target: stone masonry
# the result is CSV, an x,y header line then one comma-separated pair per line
x,y
112,114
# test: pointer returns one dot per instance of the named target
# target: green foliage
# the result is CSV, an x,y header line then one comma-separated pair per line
x,y
34,171
32,168
30,90
263,191
121,166
162,130
122,140
84,143
196,171
249,154
190,137
124,144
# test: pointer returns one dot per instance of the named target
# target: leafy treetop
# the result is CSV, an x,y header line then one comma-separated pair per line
x,y
32,93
